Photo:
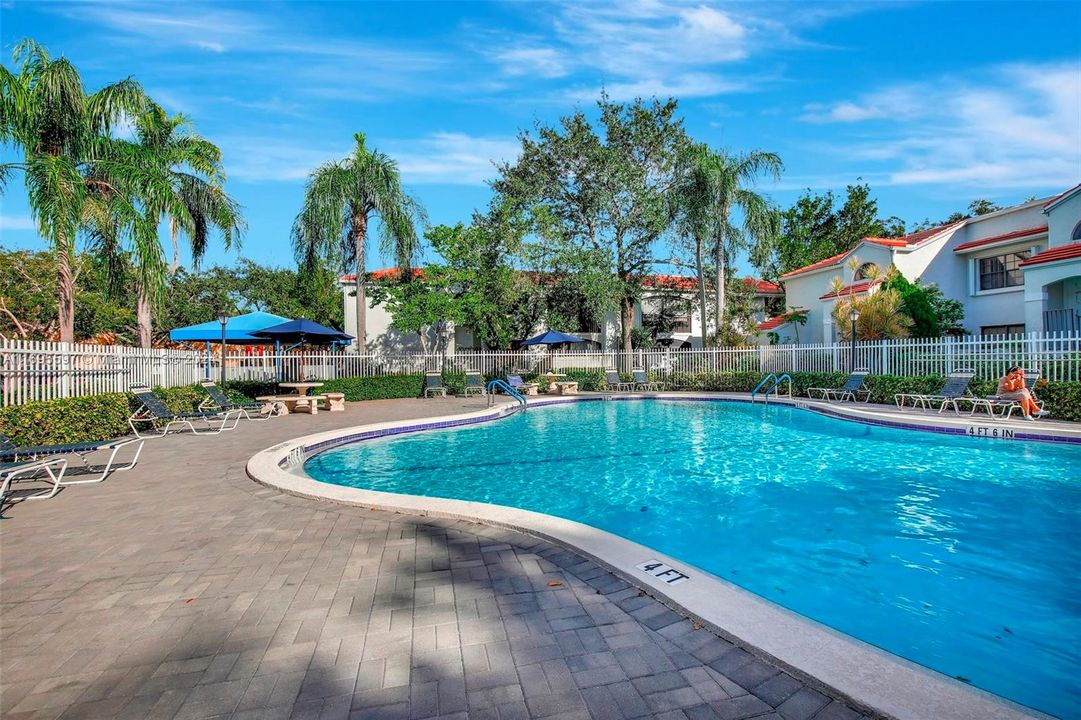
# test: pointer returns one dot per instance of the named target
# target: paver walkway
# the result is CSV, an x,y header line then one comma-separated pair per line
x,y
182,589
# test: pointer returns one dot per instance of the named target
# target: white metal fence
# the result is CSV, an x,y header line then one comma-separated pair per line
x,y
31,370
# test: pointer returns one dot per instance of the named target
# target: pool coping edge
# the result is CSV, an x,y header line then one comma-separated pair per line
x,y
871,679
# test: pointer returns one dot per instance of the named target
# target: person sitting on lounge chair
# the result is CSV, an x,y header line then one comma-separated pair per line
x,y
1011,386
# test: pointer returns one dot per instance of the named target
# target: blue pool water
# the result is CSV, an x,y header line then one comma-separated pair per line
x,y
959,553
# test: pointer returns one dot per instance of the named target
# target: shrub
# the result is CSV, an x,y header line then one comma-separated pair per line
x,y
588,379
385,387
54,422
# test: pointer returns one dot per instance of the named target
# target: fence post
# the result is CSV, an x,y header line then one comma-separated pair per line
x,y
885,357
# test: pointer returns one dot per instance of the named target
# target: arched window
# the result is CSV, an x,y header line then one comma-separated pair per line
x,y
1076,236
867,271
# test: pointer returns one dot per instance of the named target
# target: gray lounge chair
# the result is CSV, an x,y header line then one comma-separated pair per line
x,y
161,419
10,452
614,382
955,389
433,383
218,401
1006,405
49,470
642,381
474,383
853,389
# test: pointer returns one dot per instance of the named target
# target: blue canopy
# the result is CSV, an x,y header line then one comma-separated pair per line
x,y
552,337
238,330
303,331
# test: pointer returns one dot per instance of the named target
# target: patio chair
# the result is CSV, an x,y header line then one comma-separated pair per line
x,y
218,401
642,381
1006,405
10,452
474,383
956,388
521,386
614,382
50,470
853,389
433,383
161,419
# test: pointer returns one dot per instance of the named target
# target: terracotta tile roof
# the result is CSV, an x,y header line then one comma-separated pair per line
x,y
1062,252
853,289
381,274
763,287
835,260
774,322
1062,196
1000,238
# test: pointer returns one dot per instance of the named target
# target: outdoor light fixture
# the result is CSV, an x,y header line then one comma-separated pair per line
x,y
224,320
853,316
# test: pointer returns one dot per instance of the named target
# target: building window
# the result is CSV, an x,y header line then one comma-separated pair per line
x,y
1076,236
867,271
1002,330
1002,271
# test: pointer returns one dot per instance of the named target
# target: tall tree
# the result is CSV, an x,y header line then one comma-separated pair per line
x,y
729,178
63,134
187,191
339,202
605,190
693,201
813,229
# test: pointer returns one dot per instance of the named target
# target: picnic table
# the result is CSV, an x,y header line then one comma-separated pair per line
x,y
301,387
299,401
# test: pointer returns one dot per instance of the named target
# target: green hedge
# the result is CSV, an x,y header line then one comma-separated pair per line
x,y
377,388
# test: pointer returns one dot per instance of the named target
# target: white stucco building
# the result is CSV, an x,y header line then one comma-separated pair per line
x,y
1016,270
383,337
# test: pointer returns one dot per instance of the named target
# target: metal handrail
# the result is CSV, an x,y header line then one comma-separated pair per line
x,y
773,387
502,385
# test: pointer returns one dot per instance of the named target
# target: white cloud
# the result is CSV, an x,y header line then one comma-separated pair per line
x,y
17,222
544,61
688,85
1014,126
452,158
203,27
269,159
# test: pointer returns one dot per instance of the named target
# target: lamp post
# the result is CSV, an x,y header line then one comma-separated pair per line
x,y
223,319
853,316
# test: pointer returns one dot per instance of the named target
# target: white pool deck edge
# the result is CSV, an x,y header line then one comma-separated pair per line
x,y
868,677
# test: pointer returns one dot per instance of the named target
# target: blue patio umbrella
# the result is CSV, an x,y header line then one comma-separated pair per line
x,y
238,330
552,337
303,331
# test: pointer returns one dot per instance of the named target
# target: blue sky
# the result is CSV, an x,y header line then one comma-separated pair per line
x,y
933,104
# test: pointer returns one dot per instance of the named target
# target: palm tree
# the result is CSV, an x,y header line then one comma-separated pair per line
x,y
693,200
192,166
728,175
63,133
339,202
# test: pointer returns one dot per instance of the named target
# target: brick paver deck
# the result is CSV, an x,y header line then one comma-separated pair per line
x,y
182,589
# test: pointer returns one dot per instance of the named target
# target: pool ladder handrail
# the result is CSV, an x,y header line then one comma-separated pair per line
x,y
502,385
773,388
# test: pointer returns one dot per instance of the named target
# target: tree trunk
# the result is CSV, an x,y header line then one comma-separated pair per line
x,y
142,316
719,258
173,233
360,231
626,322
65,301
701,288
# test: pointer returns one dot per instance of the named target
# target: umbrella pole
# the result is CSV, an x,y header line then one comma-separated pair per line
x,y
206,365
278,358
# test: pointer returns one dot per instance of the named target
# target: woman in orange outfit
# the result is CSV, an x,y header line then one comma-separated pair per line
x,y
1012,387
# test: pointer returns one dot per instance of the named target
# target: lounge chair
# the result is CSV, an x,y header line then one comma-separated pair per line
x,y
642,381
474,383
218,401
853,389
1006,405
161,419
612,381
10,452
433,383
521,386
50,470
956,388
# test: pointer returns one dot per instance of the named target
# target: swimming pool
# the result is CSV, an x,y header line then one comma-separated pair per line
x,y
958,553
